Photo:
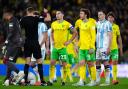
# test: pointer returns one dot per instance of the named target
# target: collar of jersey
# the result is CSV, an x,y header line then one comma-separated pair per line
x,y
103,21
60,22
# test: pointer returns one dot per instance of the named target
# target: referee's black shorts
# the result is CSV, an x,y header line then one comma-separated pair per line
x,y
32,47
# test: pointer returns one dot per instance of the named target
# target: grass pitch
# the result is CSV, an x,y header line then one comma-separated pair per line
x,y
123,84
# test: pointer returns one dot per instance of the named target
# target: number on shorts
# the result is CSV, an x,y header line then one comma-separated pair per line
x,y
62,57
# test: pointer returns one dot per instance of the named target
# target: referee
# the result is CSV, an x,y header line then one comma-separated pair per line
x,y
31,46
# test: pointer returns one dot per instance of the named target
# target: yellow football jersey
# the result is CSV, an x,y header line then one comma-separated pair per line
x,y
87,35
78,23
115,33
60,31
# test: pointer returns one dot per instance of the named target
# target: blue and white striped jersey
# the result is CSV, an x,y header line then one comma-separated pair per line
x,y
41,29
102,38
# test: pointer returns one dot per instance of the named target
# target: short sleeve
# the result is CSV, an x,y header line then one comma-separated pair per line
x,y
43,27
70,26
77,23
109,27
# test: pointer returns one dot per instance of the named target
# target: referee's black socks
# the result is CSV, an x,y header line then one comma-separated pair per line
x,y
40,70
26,69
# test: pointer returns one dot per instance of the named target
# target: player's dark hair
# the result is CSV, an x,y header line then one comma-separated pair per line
x,y
86,11
61,11
102,10
111,14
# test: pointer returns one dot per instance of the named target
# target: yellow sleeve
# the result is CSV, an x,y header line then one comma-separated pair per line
x,y
77,24
93,21
70,26
118,30
93,35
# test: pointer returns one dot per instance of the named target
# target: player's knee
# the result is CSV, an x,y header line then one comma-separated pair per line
x,y
53,62
114,62
90,64
64,64
39,61
28,60
82,62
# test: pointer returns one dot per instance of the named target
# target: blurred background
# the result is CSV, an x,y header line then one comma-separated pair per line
x,y
71,9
